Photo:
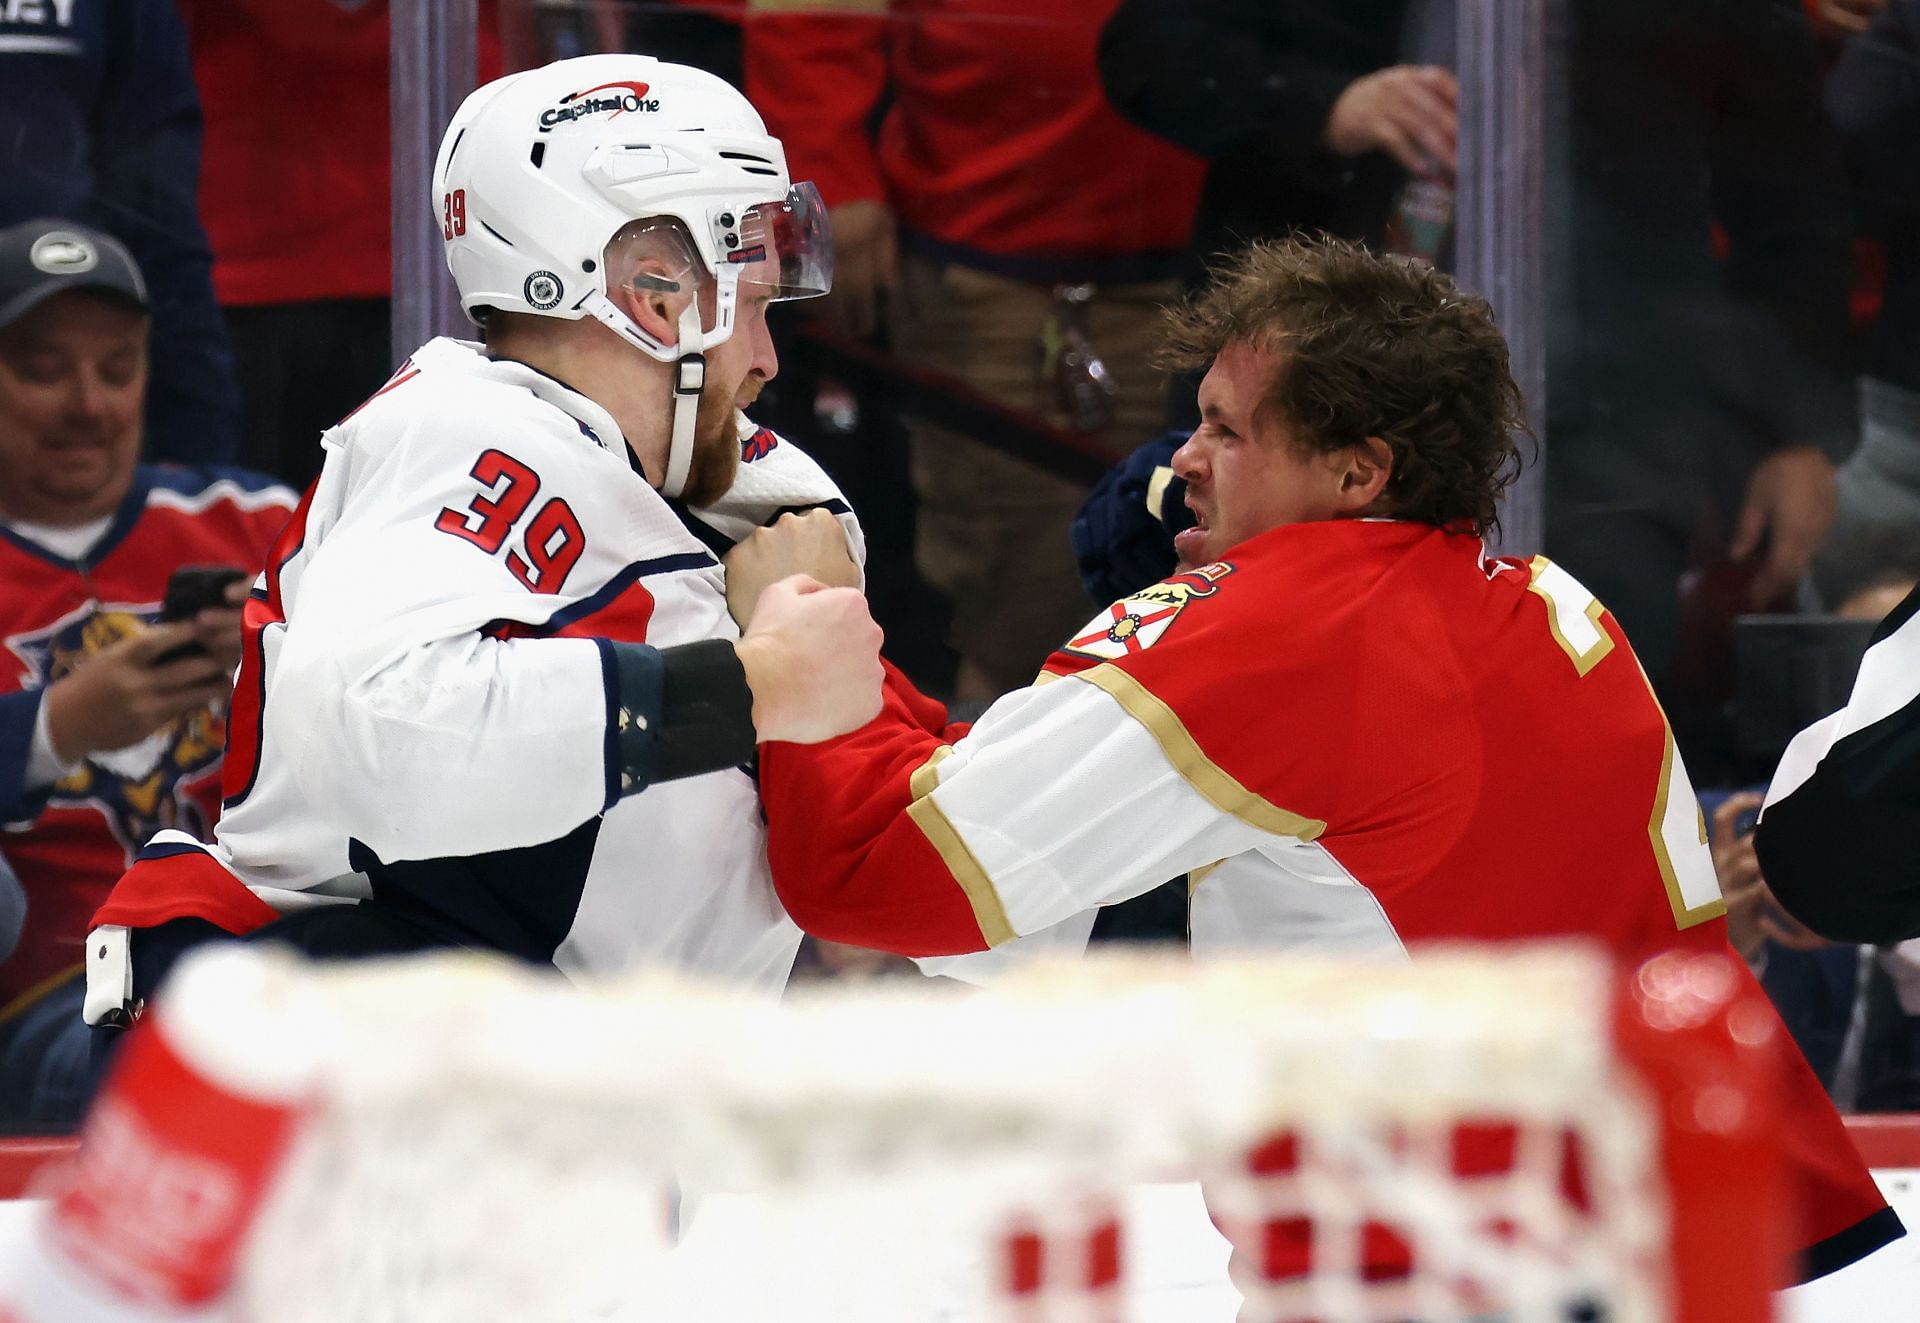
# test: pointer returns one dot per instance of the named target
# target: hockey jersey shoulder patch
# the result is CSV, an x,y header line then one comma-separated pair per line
x,y
758,445
1134,624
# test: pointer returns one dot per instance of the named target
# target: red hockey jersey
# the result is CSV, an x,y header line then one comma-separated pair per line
x,y
70,846
1358,735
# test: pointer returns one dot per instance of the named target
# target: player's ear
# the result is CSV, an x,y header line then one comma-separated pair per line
x,y
1367,467
653,299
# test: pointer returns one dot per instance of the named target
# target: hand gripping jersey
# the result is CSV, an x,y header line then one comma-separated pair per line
x,y
70,842
1360,735
427,685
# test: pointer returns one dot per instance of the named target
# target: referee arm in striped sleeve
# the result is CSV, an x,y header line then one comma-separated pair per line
x,y
1839,838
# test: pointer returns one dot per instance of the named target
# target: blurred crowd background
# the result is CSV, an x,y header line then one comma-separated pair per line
x,y
1731,438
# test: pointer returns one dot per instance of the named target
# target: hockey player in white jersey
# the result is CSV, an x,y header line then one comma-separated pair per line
x,y
500,614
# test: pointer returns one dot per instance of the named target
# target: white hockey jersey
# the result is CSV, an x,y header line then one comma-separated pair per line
x,y
429,689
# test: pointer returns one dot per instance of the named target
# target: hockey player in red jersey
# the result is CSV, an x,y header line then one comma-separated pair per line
x,y
1349,725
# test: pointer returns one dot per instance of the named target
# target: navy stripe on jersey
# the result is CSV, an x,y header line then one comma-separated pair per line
x,y
519,901
194,481
625,579
833,507
721,544
131,508
716,541
602,598
1844,1247
610,677
168,850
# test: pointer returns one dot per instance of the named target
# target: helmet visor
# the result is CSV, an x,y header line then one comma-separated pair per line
x,y
786,247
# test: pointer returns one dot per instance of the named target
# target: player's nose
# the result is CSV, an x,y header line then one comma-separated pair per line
x,y
766,359
1189,461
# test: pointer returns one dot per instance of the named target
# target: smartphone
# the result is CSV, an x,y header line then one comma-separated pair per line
x,y
191,589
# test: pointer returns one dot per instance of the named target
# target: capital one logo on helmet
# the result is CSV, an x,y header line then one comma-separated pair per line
x,y
622,97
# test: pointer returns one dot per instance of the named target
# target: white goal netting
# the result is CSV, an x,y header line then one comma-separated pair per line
x,y
1450,1139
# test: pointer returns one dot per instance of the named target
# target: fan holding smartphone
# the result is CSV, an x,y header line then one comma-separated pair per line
x,y
120,592
218,591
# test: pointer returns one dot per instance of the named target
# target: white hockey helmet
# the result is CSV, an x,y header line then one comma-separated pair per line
x,y
540,169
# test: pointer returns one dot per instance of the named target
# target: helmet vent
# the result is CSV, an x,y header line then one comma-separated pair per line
x,y
760,165
538,154
496,234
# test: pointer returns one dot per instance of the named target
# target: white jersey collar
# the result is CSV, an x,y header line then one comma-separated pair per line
x,y
594,421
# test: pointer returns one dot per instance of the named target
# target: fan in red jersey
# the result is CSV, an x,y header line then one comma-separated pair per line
x,y
112,713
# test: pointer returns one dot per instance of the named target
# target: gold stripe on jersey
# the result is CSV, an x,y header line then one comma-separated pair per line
x,y
1199,875
1201,772
1684,917
988,912
924,777
1584,658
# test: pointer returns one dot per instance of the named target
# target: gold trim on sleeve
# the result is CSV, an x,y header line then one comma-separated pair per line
x,y
924,777
1202,773
1683,917
988,912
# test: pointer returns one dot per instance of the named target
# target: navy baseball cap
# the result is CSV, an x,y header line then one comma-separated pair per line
x,y
40,258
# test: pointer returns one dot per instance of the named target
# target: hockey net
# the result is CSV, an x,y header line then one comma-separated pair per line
x,y
1522,1137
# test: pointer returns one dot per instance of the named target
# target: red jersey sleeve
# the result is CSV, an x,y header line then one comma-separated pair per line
x,y
849,860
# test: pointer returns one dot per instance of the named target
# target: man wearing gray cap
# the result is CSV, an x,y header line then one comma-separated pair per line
x,y
112,723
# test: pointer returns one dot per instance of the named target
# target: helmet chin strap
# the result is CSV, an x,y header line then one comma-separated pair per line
x,y
689,371
689,379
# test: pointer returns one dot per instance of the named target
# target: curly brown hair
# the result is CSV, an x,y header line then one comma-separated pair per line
x,y
1370,346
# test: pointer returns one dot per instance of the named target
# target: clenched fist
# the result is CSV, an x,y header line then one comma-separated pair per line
x,y
812,658
811,543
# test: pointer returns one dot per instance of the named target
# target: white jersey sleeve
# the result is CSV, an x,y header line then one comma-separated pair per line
x,y
457,514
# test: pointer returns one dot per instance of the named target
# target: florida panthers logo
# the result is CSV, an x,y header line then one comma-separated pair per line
x,y
169,779
1136,623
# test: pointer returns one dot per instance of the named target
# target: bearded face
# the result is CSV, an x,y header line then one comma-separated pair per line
x,y
716,445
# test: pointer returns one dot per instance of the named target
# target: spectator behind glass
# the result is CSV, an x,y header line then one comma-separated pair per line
x,y
296,204
99,122
1873,95
104,738
1312,112
1005,224
1698,402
